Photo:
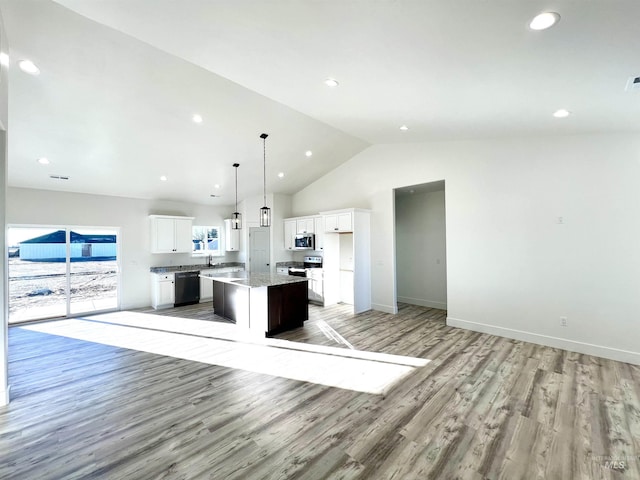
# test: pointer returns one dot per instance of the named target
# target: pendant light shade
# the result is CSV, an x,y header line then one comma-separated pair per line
x,y
265,212
265,216
236,219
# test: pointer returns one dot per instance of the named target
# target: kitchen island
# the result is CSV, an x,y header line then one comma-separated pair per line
x,y
262,303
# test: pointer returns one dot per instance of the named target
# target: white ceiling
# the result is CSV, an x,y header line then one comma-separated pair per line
x,y
112,106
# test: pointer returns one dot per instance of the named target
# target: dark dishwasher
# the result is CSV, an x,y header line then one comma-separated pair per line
x,y
187,288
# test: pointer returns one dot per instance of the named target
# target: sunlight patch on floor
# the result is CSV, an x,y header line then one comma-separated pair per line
x,y
229,331
368,372
332,334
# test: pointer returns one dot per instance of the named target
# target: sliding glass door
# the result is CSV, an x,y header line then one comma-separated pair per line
x,y
61,271
37,273
93,270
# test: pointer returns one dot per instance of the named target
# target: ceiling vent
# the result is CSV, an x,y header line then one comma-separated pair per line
x,y
633,84
59,177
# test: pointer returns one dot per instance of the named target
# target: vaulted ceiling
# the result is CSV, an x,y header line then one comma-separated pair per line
x,y
121,80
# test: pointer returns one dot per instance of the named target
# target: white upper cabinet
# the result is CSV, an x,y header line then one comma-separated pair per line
x,y
171,234
184,235
300,225
163,235
289,234
231,237
305,225
319,228
338,222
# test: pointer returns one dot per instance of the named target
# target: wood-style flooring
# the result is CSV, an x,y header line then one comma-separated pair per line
x,y
484,407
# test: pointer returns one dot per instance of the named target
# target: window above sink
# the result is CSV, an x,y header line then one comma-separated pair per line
x,y
207,241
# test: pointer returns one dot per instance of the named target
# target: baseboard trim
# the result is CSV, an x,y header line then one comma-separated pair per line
x,y
384,308
5,396
423,303
133,306
549,341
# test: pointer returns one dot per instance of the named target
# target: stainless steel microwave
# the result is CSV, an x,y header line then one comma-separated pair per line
x,y
305,241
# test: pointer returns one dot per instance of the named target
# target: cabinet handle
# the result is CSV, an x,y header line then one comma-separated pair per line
x,y
336,228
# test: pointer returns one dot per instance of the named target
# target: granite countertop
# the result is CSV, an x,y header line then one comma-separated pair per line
x,y
253,280
290,264
195,268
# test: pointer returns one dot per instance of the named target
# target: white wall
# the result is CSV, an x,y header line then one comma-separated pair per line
x,y
280,206
43,207
511,268
4,288
421,249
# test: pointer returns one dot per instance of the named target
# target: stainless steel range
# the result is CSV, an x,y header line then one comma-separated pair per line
x,y
313,271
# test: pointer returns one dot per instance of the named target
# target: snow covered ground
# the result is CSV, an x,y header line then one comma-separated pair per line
x,y
38,289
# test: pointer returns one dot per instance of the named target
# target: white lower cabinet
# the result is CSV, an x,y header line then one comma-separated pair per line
x,y
163,290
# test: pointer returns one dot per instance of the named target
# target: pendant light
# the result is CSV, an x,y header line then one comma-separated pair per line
x,y
236,220
265,212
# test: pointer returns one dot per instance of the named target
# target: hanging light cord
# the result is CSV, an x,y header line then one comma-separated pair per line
x,y
236,189
264,164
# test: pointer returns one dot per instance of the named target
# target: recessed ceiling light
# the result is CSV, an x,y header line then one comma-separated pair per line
x,y
27,66
404,128
281,175
331,82
4,59
562,113
163,178
216,185
43,161
197,118
308,153
544,20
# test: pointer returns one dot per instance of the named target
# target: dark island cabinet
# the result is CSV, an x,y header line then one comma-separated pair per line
x,y
230,301
270,309
288,307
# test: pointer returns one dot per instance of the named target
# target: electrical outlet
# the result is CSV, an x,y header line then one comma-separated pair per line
x,y
563,321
